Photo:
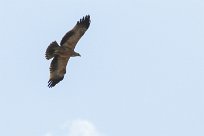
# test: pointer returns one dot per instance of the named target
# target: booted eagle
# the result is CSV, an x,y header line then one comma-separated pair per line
x,y
62,53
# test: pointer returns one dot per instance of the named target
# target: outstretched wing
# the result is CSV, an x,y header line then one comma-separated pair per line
x,y
73,36
57,70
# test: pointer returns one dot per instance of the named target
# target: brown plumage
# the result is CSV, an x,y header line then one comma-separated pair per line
x,y
61,54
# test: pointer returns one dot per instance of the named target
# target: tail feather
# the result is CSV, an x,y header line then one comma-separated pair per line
x,y
50,52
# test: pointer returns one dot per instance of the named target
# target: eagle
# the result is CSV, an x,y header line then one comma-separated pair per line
x,y
62,53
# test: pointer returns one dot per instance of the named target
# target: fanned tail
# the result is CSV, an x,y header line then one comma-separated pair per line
x,y
50,52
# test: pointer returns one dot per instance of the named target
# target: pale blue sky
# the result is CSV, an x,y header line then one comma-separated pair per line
x,y
141,72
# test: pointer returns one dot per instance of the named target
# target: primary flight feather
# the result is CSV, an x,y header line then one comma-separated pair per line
x,y
62,53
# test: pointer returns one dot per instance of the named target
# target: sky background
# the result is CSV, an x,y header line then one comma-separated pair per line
x,y
141,72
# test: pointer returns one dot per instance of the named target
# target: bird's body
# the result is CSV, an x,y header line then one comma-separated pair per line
x,y
62,53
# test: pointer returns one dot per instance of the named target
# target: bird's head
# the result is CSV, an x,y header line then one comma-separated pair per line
x,y
76,54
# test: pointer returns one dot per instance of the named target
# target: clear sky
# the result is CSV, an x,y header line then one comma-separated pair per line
x,y
141,72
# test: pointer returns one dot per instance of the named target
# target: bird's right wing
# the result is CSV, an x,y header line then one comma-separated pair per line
x,y
73,36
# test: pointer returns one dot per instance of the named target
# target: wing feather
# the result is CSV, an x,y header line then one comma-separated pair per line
x,y
73,36
57,70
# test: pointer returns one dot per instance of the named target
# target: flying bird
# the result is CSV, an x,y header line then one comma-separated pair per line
x,y
62,53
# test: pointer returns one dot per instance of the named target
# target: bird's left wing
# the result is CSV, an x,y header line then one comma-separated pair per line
x,y
73,36
57,70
